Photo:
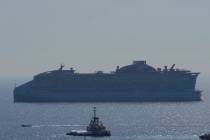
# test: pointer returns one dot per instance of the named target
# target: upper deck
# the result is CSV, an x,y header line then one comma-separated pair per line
x,y
137,68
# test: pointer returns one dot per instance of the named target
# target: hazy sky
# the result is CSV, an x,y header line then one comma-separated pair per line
x,y
38,35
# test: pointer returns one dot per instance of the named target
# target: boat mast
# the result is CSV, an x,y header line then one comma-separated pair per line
x,y
94,112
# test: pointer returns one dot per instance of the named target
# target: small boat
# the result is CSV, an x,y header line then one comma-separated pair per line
x,y
26,125
205,136
94,129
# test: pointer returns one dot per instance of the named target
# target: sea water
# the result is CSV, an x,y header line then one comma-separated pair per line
x,y
127,121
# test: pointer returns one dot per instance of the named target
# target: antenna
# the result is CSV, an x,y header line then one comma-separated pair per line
x,y
94,111
61,67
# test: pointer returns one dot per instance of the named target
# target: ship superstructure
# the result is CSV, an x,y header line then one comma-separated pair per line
x,y
136,82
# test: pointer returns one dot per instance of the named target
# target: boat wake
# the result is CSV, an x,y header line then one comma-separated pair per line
x,y
52,125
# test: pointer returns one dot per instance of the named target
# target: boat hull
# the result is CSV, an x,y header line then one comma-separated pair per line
x,y
91,134
105,96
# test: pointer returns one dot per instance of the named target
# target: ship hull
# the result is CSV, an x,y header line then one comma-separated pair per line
x,y
106,96
91,134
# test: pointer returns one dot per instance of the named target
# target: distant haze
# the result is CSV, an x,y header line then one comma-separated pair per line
x,y
90,35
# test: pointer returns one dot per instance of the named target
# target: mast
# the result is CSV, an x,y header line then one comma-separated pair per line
x,y
94,112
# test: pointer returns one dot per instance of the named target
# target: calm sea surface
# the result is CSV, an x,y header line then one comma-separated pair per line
x,y
127,121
